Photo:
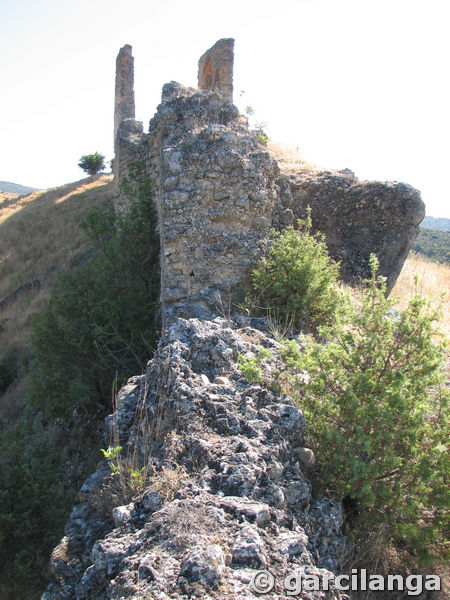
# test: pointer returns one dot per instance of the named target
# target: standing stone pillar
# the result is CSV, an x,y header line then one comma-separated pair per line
x,y
124,99
127,131
215,69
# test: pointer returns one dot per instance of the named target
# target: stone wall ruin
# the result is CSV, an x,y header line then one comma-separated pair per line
x,y
219,191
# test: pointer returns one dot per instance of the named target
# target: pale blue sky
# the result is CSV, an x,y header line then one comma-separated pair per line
x,y
362,84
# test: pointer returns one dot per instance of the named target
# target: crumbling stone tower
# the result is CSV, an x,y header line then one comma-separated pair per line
x,y
215,69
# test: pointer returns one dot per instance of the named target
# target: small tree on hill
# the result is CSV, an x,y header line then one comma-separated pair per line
x,y
92,163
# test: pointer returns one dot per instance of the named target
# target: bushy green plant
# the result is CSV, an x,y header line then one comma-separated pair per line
x,y
103,316
376,407
297,279
251,367
128,478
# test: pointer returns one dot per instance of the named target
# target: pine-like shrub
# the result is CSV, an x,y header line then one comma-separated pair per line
x,y
376,406
102,320
296,280
35,497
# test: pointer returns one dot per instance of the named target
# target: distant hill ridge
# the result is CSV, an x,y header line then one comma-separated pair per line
x,y
439,223
15,188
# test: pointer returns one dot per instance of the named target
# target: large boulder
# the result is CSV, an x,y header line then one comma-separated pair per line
x,y
359,218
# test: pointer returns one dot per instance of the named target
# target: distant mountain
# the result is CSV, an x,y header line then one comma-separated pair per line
x,y
439,223
15,188
434,244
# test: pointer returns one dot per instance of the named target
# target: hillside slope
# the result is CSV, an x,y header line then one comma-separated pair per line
x,y
6,196
433,244
39,236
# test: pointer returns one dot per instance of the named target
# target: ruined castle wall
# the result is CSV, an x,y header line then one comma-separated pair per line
x,y
216,187
129,149
218,192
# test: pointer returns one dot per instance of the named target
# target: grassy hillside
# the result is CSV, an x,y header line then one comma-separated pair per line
x,y
6,196
93,327
39,236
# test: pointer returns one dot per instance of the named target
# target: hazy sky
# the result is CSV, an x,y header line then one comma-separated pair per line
x,y
362,84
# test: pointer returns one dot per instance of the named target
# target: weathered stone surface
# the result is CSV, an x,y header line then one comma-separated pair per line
x,y
122,515
215,69
249,549
215,195
205,565
241,504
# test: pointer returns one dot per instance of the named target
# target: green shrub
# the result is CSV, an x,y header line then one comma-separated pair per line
x,y
103,316
297,280
35,496
251,366
376,407
8,372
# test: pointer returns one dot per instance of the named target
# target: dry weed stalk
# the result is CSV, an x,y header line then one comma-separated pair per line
x,y
132,469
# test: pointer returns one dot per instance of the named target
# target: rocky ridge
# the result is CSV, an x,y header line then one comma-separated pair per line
x,y
228,494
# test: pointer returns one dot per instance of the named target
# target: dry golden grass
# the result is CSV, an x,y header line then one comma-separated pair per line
x,y
432,279
40,235
6,197
290,160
